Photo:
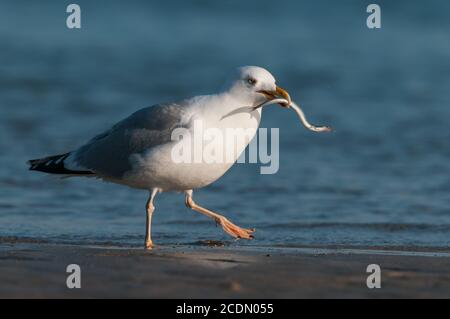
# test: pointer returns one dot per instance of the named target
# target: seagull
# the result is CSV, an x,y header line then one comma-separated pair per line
x,y
138,151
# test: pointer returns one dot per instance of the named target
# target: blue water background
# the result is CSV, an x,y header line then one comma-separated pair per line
x,y
382,178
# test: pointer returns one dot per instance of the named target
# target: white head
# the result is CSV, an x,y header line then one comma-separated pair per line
x,y
256,85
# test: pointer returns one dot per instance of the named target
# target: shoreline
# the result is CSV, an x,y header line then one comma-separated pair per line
x,y
394,249
39,271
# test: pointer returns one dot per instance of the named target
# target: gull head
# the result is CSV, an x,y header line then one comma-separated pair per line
x,y
257,86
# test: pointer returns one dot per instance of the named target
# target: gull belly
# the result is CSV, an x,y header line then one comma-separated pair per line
x,y
156,167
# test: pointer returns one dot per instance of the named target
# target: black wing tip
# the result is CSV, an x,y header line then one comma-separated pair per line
x,y
54,165
32,163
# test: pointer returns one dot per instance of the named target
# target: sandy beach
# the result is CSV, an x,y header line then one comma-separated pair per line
x,y
34,270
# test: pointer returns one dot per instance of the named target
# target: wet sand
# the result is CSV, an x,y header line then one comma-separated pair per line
x,y
39,271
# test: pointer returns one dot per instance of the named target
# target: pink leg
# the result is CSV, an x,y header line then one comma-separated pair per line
x,y
150,209
227,226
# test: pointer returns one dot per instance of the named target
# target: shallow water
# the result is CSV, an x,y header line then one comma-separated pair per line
x,y
382,178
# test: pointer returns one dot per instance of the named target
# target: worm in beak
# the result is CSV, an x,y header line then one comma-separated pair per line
x,y
279,96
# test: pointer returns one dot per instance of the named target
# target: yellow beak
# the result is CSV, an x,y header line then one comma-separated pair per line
x,y
278,93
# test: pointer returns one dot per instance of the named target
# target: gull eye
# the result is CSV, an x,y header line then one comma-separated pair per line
x,y
251,81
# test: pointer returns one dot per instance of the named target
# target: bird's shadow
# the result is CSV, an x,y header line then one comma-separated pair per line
x,y
244,109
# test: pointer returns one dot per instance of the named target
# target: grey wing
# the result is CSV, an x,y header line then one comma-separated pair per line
x,y
108,154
